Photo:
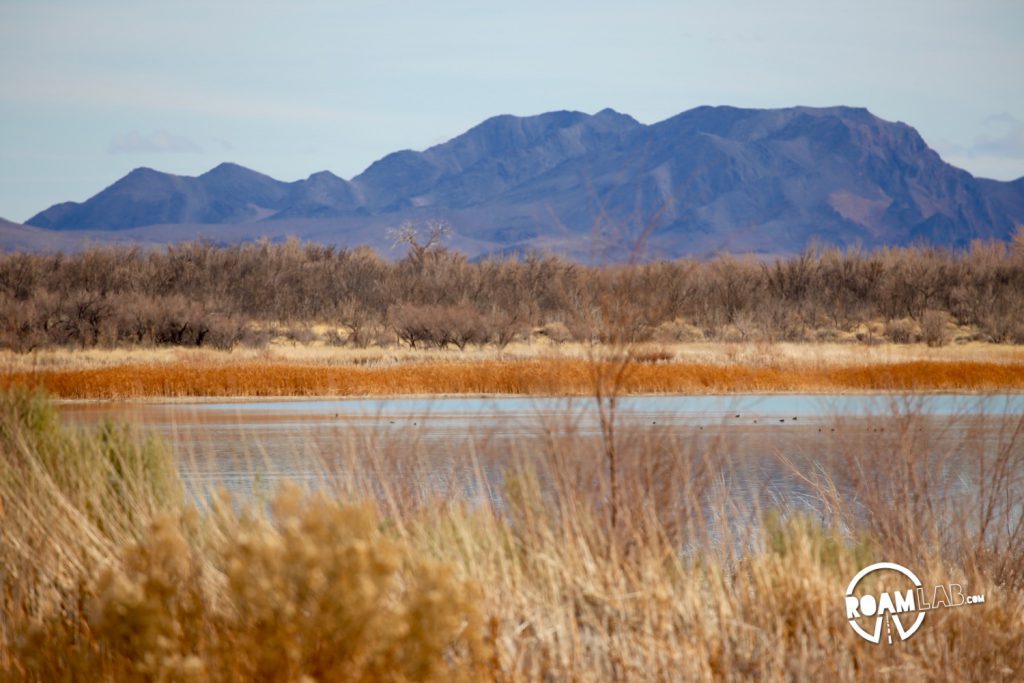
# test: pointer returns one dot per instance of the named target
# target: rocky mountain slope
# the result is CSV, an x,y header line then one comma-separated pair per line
x,y
594,186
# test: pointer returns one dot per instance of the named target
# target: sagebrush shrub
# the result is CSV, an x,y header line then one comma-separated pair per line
x,y
934,326
311,590
902,331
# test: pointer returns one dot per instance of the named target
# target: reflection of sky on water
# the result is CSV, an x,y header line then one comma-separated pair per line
x,y
464,446
694,407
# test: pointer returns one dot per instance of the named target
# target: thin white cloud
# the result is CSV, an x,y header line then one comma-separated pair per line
x,y
997,151
1003,137
80,87
158,142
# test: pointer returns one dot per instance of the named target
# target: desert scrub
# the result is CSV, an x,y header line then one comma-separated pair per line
x,y
312,591
199,294
108,573
68,497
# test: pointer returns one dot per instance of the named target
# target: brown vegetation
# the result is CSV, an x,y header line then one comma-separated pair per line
x,y
532,376
109,574
684,579
201,295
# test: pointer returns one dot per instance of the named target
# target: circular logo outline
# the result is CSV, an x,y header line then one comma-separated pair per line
x,y
876,635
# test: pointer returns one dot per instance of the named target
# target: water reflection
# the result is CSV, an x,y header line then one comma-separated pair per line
x,y
761,448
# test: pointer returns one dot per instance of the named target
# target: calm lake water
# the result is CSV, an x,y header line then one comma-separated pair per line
x,y
465,445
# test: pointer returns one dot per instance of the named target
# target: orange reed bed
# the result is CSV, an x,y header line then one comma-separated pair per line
x,y
536,376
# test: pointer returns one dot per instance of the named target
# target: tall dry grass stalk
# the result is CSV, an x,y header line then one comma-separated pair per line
x,y
110,574
378,577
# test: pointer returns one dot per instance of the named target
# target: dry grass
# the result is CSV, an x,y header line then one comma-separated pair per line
x,y
711,353
369,586
536,376
109,574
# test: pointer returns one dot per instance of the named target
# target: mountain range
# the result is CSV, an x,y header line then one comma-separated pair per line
x,y
592,187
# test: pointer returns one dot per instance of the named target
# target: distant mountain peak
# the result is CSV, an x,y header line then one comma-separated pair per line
x,y
708,179
609,113
227,166
322,175
143,172
229,169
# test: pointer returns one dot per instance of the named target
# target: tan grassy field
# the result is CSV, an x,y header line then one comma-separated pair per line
x,y
534,369
713,353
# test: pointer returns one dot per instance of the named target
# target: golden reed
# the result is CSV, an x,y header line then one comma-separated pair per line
x,y
540,376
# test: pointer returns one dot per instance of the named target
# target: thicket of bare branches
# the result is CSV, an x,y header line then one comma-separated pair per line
x,y
199,294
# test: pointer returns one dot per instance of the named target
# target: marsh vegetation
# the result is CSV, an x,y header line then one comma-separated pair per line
x,y
609,555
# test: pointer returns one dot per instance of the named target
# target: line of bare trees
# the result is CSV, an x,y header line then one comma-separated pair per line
x,y
197,294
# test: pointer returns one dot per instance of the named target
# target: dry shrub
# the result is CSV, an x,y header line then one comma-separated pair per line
x,y
826,334
314,590
503,327
677,331
410,324
870,333
301,334
902,331
117,296
319,592
556,331
25,324
55,481
459,325
332,337
344,601
438,325
360,321
109,575
935,328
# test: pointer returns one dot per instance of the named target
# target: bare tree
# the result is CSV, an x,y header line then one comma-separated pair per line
x,y
422,241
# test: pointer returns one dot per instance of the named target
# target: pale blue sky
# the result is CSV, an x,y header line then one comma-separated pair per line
x,y
91,89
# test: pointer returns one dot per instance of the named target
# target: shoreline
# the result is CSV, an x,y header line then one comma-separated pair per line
x,y
297,398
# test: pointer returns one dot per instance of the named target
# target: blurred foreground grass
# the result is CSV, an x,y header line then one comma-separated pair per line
x,y
110,572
